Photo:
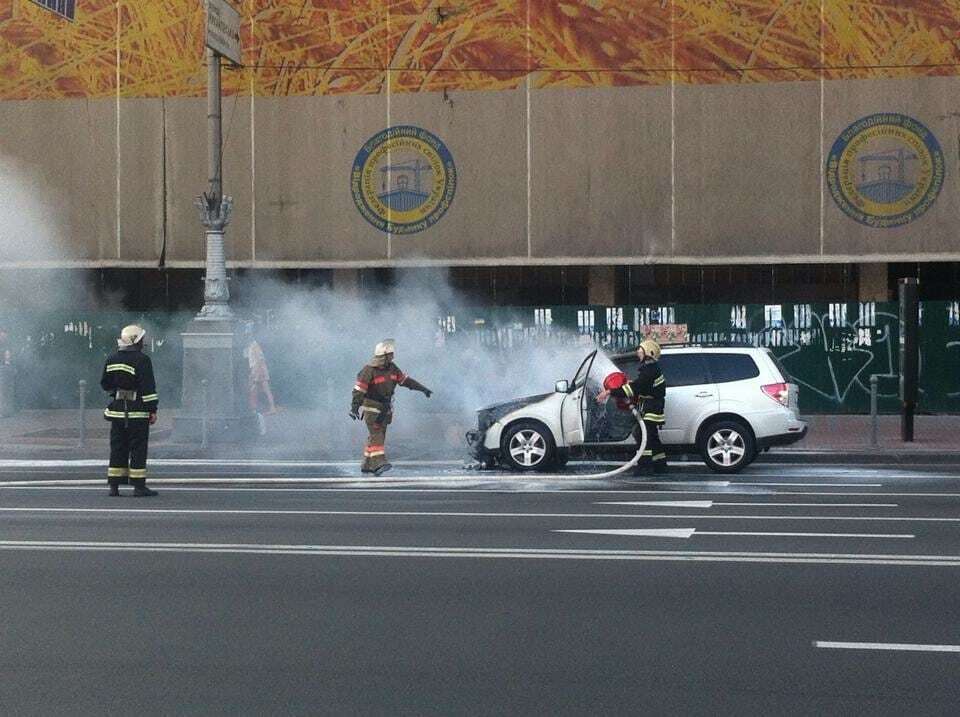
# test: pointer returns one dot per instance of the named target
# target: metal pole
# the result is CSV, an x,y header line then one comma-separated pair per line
x,y
206,410
83,410
874,418
214,129
214,207
908,290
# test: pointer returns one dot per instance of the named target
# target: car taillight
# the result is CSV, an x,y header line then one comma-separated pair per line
x,y
777,391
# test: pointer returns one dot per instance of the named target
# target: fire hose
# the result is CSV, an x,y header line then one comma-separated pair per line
x,y
617,380
633,461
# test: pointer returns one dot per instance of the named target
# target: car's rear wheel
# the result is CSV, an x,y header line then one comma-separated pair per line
x,y
528,446
727,446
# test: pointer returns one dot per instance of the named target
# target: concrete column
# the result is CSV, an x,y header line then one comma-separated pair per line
x,y
602,285
873,283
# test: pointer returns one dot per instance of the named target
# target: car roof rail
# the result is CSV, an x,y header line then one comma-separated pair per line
x,y
711,345
694,345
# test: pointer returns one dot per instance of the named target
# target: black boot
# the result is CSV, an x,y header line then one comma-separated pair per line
x,y
140,489
382,469
114,489
660,468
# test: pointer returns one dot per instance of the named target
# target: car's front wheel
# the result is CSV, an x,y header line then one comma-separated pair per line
x,y
528,446
727,446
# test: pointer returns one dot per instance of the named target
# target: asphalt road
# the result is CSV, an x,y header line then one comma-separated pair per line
x,y
301,590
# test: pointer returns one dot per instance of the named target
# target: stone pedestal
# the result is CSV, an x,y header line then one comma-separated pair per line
x,y
213,352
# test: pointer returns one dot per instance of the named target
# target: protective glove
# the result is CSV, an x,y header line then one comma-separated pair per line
x,y
354,415
427,392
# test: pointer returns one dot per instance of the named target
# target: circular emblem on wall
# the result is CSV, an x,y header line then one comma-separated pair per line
x,y
403,180
885,170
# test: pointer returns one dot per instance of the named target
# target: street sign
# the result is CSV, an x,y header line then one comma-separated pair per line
x,y
223,30
66,8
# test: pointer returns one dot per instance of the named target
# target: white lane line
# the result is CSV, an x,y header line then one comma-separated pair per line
x,y
664,503
927,561
253,478
691,532
710,504
900,646
772,493
212,462
399,486
448,514
810,485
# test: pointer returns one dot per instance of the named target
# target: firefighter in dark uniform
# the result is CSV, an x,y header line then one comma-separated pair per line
x,y
128,378
373,403
648,392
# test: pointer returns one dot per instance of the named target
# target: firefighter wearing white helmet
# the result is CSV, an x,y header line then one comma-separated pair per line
x,y
128,378
373,403
648,392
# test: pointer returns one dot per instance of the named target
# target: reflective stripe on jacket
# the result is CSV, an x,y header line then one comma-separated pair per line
x,y
129,370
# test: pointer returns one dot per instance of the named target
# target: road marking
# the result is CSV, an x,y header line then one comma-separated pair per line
x,y
885,646
399,486
690,532
445,514
664,503
640,533
811,485
212,462
253,478
501,553
710,504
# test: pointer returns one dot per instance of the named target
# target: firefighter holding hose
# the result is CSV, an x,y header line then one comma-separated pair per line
x,y
373,403
648,392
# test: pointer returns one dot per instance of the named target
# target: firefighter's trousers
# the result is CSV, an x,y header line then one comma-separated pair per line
x,y
128,450
653,453
375,449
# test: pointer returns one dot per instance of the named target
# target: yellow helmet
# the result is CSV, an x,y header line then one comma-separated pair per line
x,y
651,348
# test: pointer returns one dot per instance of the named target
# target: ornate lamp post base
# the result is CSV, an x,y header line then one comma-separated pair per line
x,y
215,215
214,401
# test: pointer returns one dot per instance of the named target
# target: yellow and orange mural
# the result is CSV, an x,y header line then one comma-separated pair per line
x,y
153,48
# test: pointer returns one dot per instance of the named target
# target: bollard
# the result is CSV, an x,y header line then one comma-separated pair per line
x,y
8,390
82,389
205,410
874,418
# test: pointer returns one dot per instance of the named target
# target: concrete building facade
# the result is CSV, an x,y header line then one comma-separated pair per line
x,y
596,141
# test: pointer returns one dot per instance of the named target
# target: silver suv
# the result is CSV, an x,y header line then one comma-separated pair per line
x,y
725,403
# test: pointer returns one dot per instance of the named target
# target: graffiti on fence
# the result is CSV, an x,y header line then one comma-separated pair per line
x,y
830,350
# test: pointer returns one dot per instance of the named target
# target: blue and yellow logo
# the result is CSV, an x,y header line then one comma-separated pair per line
x,y
403,180
885,170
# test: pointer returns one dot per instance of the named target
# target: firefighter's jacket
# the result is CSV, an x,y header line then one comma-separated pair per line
x,y
375,386
648,391
129,370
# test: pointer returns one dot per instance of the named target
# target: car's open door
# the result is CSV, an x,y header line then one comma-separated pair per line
x,y
573,413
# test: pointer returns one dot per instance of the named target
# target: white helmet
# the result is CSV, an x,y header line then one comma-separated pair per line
x,y
130,335
387,346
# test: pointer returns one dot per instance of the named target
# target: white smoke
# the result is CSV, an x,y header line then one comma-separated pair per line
x,y
29,230
316,341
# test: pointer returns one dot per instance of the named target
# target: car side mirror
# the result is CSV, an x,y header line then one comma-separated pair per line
x,y
562,387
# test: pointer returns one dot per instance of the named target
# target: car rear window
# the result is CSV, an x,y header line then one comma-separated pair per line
x,y
684,369
731,367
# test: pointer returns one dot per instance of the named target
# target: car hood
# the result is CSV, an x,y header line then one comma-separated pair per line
x,y
515,403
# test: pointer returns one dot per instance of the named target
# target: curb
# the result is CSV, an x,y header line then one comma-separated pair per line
x,y
871,457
